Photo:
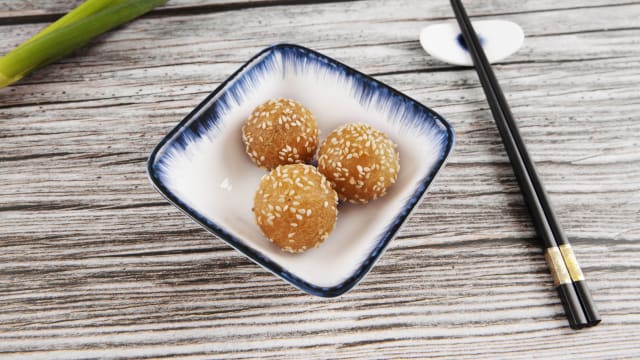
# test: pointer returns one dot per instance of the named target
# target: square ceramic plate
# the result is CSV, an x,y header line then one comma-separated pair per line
x,y
201,166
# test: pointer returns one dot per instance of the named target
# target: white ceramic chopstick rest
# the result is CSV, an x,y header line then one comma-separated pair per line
x,y
499,39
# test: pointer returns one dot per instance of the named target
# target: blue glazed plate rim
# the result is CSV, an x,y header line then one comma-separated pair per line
x,y
265,262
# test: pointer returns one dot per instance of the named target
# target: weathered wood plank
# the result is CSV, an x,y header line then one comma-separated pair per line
x,y
27,11
95,264
26,8
198,45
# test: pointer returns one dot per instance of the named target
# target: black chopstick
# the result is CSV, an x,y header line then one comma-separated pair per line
x,y
568,278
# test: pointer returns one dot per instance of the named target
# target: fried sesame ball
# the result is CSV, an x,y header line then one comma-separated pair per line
x,y
360,161
295,207
280,131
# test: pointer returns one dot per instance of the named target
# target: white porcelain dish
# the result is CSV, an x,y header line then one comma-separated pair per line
x,y
499,39
201,166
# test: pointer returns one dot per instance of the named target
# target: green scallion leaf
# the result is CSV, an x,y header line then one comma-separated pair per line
x,y
81,11
72,31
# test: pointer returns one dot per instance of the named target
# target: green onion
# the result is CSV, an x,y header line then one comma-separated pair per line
x,y
70,32
81,11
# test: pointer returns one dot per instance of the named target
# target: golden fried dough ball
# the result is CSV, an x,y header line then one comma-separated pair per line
x,y
279,132
295,207
361,162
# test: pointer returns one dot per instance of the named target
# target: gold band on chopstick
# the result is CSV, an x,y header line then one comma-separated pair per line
x,y
557,266
572,264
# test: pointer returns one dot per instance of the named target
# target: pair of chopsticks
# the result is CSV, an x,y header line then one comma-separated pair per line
x,y
567,275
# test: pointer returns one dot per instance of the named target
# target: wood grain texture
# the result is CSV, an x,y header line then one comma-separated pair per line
x,y
95,264
25,11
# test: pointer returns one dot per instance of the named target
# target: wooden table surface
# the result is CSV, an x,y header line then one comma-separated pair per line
x,y
95,264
